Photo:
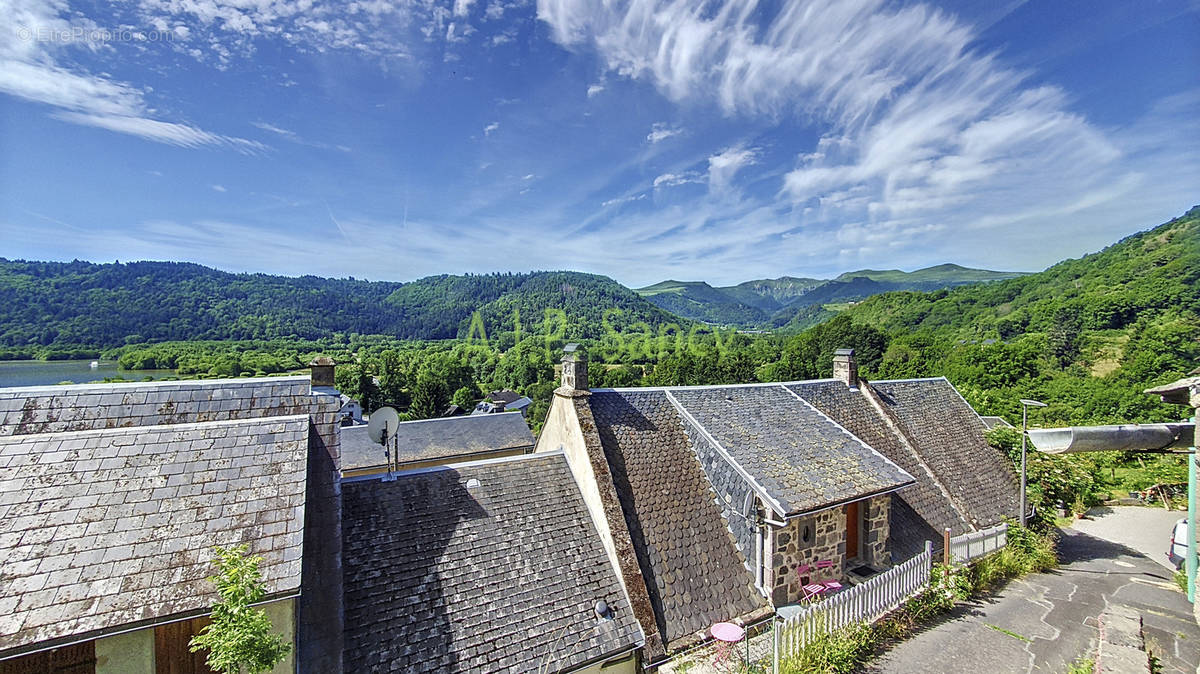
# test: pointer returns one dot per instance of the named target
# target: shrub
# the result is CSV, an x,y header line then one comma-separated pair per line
x,y
1026,552
239,639
840,652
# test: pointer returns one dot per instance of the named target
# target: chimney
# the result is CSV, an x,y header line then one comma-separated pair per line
x,y
322,371
845,369
574,368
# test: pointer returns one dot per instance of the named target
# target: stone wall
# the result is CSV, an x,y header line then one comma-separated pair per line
x,y
804,541
876,529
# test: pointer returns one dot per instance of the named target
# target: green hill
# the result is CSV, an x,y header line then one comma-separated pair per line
x,y
1150,274
942,275
55,306
699,301
771,295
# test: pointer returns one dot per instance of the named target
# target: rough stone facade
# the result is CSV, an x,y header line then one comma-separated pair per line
x,y
822,535
804,541
876,529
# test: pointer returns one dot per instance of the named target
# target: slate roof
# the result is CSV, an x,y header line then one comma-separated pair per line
x,y
443,574
949,438
450,438
920,512
104,528
51,409
694,573
800,457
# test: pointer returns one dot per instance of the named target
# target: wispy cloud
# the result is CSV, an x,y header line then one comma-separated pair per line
x,y
676,179
595,90
662,131
30,68
219,188
723,166
491,128
294,137
919,129
622,200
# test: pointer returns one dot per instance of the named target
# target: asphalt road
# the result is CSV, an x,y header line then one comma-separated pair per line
x,y
1147,530
1044,622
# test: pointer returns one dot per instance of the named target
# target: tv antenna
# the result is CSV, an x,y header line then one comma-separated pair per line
x,y
381,428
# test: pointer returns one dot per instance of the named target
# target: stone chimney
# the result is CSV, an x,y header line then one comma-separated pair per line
x,y
322,371
574,368
845,369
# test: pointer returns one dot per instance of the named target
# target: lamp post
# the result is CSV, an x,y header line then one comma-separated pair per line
x,y
1025,405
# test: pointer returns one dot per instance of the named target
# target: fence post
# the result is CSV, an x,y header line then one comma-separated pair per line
x,y
775,641
945,546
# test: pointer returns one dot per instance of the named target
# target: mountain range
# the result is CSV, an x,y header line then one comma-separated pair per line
x,y
791,302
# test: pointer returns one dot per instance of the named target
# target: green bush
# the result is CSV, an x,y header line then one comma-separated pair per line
x,y
840,652
1027,551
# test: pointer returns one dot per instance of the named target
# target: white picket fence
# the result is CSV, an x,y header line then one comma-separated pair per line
x,y
976,544
866,602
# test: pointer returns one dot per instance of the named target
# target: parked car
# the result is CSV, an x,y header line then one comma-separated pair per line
x,y
1179,543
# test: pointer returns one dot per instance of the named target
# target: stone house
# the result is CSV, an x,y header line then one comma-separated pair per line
x,y
710,497
112,497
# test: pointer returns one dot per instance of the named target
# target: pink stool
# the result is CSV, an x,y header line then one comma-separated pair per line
x,y
726,634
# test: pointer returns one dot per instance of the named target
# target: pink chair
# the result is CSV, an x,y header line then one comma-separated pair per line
x,y
827,565
808,589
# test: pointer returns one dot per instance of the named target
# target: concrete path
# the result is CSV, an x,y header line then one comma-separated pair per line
x,y
1043,622
1147,530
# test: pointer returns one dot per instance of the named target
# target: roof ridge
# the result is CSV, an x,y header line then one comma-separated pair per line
x,y
733,463
162,383
893,422
125,430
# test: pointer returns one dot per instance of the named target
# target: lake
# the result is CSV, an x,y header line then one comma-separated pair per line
x,y
43,373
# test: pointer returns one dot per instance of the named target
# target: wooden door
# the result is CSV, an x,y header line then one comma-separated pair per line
x,y
171,652
853,529
73,659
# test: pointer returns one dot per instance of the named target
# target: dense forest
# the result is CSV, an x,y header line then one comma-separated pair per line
x,y
70,309
793,304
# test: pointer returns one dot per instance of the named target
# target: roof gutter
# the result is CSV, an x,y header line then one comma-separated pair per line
x,y
1122,437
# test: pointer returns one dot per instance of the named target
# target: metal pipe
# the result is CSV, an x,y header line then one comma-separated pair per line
x,y
1192,552
1122,437
1024,436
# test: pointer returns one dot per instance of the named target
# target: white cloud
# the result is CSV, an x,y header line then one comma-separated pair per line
x,y
676,179
595,90
527,177
662,131
722,167
622,200
487,130
219,188
462,7
918,126
40,35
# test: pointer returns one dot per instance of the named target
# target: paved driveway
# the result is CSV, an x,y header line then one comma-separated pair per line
x,y
1043,622
1147,530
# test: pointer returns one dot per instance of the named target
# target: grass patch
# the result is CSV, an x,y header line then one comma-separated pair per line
x,y
1181,579
1082,666
1026,552
1009,633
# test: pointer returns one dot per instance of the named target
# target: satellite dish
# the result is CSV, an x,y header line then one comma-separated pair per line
x,y
748,505
383,424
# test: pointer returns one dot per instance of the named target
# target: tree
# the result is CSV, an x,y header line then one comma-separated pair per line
x,y
239,639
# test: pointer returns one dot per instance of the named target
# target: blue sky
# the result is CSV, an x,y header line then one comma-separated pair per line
x,y
720,141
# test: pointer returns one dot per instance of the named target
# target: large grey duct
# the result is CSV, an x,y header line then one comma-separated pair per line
x,y
1123,437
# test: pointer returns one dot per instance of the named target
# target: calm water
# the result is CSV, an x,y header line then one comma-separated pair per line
x,y
42,373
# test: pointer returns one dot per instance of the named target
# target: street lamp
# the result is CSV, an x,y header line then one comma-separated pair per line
x,y
1025,405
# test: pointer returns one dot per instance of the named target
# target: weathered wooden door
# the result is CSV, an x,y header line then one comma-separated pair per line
x,y
853,530
74,659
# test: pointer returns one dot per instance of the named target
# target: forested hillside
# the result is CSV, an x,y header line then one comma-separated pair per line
x,y
794,304
49,308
